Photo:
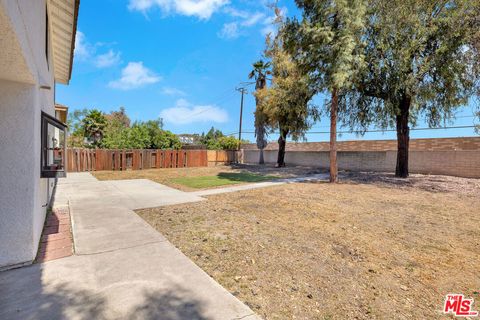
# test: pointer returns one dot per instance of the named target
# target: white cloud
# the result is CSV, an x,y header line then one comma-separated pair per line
x,y
186,113
229,31
134,75
142,5
244,19
253,19
236,13
108,59
87,52
82,48
169,91
203,9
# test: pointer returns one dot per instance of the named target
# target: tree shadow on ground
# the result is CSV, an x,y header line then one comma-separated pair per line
x,y
245,177
24,295
174,304
431,183
284,172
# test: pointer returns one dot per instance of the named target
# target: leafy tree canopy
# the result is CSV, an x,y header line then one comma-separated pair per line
x,y
412,58
421,51
285,104
93,125
216,140
326,43
114,131
119,116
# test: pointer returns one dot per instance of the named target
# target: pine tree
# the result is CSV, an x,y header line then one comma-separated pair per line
x,y
327,44
285,104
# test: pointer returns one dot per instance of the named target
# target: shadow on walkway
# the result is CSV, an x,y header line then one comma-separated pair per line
x,y
168,306
25,294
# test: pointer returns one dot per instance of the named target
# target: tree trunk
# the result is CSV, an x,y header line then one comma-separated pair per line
x,y
333,137
403,138
282,142
261,160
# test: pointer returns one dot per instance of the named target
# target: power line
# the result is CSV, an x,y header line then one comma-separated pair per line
x,y
379,130
247,83
424,119
213,105
224,96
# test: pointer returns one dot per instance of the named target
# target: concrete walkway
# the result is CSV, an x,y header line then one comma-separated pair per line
x,y
122,267
313,177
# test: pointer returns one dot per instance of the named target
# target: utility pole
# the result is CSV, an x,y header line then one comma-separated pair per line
x,y
242,90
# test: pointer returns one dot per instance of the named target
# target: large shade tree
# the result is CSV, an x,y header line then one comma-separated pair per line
x,y
259,72
285,104
421,60
327,45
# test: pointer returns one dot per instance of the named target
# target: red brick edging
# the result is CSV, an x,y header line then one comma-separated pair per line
x,y
56,241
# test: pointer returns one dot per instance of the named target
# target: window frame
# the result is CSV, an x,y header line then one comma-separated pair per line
x,y
46,172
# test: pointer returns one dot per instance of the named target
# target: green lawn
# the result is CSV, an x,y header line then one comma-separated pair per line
x,y
221,179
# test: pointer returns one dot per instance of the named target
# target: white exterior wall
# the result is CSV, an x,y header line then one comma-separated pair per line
x,y
23,194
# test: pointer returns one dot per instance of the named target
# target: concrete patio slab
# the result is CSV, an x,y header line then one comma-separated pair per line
x,y
123,268
143,193
116,228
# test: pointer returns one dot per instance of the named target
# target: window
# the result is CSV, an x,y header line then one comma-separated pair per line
x,y
53,147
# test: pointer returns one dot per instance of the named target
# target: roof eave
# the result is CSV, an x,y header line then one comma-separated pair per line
x,y
75,19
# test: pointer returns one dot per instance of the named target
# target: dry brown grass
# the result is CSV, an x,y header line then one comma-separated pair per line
x,y
168,176
321,251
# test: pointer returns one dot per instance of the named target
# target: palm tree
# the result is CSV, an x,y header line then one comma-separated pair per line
x,y
259,72
93,127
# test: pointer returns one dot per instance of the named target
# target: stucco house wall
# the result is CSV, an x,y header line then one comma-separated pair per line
x,y
26,88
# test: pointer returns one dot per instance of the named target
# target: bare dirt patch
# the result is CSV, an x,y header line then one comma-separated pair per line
x,y
321,251
432,183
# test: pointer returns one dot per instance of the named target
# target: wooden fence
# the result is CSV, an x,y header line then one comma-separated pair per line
x,y
79,160
223,157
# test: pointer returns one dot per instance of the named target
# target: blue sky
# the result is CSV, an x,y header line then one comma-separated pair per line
x,y
182,60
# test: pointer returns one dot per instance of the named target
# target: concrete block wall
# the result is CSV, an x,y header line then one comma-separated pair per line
x,y
433,144
456,157
355,160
